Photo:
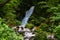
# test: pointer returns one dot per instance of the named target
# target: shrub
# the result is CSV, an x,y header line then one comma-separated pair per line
x,y
40,35
7,33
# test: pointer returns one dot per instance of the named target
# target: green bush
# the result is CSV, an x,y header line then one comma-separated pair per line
x,y
57,32
7,33
29,25
40,35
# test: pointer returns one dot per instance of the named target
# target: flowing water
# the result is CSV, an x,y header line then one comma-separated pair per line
x,y
27,16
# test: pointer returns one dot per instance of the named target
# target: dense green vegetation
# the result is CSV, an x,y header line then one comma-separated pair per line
x,y
7,33
46,17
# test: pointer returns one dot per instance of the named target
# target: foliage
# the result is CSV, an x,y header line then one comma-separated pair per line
x,y
46,16
8,12
40,35
29,25
57,32
7,33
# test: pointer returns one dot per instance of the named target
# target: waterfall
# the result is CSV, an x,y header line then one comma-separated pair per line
x,y
26,31
27,16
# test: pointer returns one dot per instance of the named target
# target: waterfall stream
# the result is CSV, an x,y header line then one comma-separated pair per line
x,y
27,16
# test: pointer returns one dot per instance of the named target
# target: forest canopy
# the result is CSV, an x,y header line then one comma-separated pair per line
x,y
46,17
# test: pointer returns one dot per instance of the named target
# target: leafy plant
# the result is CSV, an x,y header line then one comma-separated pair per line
x,y
57,32
7,33
40,35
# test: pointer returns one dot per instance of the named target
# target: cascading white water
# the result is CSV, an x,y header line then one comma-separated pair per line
x,y
27,15
26,32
